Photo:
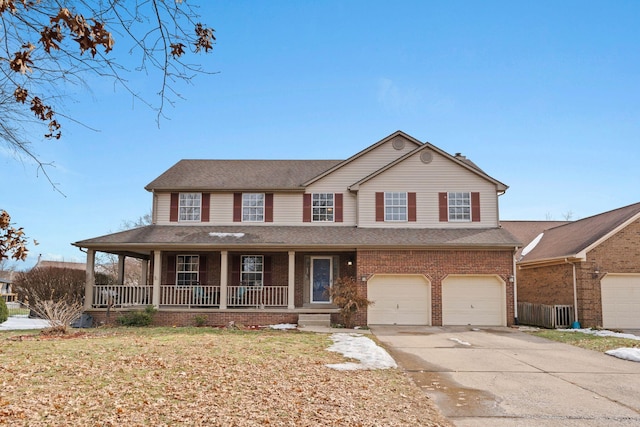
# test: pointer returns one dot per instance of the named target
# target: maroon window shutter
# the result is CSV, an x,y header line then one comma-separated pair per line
x,y
202,270
268,207
475,207
237,207
411,208
171,270
235,270
267,270
306,207
443,206
379,206
206,199
337,204
173,207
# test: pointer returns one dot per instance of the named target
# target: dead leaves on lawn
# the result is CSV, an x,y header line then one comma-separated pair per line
x,y
216,378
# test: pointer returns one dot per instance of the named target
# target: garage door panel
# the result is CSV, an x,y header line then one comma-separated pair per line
x,y
620,294
399,299
473,300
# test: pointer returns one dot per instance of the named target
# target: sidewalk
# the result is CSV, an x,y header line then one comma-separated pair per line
x,y
15,323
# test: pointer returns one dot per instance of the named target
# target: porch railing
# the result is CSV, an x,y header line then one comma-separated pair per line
x,y
257,296
196,296
121,295
190,296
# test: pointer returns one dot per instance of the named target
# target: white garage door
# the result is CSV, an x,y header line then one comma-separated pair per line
x,y
473,300
399,300
620,301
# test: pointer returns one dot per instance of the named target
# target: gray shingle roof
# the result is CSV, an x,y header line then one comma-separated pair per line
x,y
281,237
570,239
229,175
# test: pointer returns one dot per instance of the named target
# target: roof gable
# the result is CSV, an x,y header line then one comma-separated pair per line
x,y
575,239
423,152
396,136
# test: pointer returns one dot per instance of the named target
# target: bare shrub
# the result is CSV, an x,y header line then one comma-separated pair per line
x,y
51,283
345,295
60,314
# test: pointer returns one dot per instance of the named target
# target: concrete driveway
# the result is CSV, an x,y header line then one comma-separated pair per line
x,y
504,377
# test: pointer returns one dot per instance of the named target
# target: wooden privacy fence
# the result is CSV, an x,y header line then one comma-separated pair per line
x,y
545,316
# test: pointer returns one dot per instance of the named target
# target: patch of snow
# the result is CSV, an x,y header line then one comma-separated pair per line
x,y
632,354
357,346
15,323
531,245
603,333
236,235
282,326
459,341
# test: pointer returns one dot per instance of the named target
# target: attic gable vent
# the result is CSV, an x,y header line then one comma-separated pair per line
x,y
426,157
398,143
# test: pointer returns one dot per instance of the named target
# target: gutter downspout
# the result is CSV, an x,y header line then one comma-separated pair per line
x,y
576,323
515,288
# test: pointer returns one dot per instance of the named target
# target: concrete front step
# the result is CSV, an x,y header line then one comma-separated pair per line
x,y
314,320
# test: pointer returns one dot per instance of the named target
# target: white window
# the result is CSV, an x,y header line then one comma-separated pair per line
x,y
187,267
459,206
395,206
252,270
189,206
322,207
253,207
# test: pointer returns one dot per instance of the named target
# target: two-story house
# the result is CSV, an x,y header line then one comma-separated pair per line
x,y
260,241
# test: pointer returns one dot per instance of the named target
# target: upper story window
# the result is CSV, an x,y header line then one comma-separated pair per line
x,y
459,206
189,207
187,267
252,207
395,206
252,270
322,207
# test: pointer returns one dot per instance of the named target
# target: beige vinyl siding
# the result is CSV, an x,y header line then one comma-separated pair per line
x,y
427,180
340,180
163,204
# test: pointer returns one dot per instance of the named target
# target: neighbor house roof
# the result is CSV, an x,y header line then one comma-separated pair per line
x,y
61,264
526,231
573,240
277,237
230,175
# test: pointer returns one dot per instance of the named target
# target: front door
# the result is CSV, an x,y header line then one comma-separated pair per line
x,y
321,279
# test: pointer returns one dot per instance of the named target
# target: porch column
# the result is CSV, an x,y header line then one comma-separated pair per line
x,y
157,274
224,275
144,271
90,279
120,269
292,281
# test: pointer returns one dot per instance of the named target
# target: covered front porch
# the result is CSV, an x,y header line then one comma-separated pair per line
x,y
231,281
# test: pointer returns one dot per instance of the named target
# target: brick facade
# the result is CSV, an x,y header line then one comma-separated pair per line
x,y
437,265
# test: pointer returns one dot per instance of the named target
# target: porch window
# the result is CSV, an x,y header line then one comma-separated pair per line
x,y
322,207
252,270
459,206
187,267
252,207
395,206
189,207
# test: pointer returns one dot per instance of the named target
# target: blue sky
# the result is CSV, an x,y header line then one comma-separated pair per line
x,y
544,96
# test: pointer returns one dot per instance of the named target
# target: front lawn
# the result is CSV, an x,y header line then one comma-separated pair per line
x,y
197,376
590,342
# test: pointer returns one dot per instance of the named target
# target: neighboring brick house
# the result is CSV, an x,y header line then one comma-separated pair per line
x,y
259,241
592,264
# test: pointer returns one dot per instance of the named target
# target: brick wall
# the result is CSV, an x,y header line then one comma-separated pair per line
x,y
546,285
436,265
